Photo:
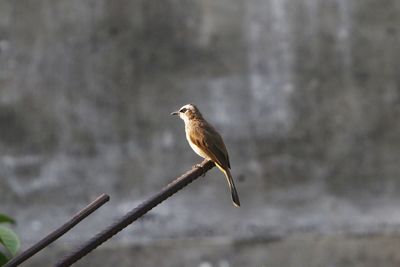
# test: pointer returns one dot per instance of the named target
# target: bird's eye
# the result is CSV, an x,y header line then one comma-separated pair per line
x,y
183,110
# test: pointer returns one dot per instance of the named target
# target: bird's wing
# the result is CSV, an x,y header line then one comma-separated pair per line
x,y
209,140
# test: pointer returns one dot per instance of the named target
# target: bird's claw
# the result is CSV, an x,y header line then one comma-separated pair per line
x,y
198,166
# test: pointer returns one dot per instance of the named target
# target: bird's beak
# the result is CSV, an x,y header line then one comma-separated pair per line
x,y
175,113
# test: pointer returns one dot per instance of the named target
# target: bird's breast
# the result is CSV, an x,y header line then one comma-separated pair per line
x,y
196,149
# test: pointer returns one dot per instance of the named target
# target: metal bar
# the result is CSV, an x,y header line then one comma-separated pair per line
x,y
78,217
136,213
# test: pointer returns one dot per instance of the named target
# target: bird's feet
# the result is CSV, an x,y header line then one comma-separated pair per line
x,y
198,166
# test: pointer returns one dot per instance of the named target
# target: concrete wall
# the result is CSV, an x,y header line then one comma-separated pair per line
x,y
306,94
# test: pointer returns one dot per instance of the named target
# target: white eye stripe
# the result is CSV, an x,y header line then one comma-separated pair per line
x,y
186,108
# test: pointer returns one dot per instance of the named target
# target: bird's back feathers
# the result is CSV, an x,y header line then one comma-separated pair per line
x,y
204,136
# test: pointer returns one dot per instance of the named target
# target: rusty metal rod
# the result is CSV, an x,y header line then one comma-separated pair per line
x,y
89,209
136,213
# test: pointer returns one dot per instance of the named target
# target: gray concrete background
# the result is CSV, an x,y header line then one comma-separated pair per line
x,y
306,94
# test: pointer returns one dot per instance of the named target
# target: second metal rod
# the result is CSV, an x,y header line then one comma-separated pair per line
x,y
101,200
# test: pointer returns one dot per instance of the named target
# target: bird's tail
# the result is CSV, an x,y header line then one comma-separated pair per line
x,y
234,194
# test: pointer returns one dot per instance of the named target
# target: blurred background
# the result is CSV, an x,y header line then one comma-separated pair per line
x,y
305,93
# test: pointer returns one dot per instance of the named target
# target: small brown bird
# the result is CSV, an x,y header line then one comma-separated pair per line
x,y
207,143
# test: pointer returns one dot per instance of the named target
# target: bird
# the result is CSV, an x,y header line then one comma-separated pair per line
x,y
207,143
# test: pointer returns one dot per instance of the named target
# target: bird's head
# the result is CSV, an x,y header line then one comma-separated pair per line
x,y
188,112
